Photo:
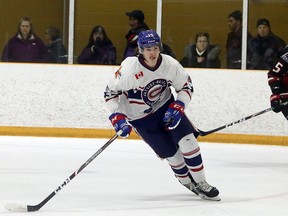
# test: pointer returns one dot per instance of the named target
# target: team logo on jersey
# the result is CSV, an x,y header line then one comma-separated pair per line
x,y
118,73
152,91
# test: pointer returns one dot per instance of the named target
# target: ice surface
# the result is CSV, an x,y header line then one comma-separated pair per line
x,y
127,179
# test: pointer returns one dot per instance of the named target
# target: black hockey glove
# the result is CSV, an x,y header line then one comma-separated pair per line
x,y
276,103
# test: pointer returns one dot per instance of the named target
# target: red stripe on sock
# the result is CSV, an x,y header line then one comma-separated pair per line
x,y
191,152
197,169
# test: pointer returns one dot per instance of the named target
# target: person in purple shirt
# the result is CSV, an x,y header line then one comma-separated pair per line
x,y
99,50
25,46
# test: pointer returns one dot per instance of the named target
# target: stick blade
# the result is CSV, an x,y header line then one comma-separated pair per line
x,y
13,207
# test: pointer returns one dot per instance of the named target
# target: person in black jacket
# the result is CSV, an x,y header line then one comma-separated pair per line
x,y
201,54
99,50
234,40
137,24
56,49
265,47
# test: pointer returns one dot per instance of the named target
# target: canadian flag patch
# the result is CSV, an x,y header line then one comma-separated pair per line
x,y
139,75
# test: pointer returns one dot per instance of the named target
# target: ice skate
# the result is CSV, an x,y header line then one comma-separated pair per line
x,y
190,186
206,191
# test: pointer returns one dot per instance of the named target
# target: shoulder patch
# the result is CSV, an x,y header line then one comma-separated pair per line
x,y
118,73
285,57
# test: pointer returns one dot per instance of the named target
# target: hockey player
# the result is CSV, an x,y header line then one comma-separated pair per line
x,y
278,82
140,96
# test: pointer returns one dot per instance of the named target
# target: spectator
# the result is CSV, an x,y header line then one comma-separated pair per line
x,y
57,51
201,54
265,47
234,40
25,46
137,24
99,50
167,50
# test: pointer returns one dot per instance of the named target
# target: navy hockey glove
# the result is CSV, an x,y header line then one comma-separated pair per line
x,y
276,103
173,115
122,128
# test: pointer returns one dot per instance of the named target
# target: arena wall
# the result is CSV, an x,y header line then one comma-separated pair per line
x,y
67,101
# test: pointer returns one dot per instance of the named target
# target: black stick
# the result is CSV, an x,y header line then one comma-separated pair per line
x,y
204,133
32,208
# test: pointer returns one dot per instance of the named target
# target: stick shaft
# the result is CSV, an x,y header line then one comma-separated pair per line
x,y
204,133
31,208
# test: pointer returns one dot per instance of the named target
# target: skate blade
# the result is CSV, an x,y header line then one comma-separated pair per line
x,y
217,198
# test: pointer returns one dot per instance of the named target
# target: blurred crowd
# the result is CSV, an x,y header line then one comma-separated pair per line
x,y
262,49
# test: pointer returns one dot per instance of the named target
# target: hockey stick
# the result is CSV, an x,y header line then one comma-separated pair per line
x,y
204,133
32,208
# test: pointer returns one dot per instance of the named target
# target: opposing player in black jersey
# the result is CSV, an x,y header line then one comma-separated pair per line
x,y
278,82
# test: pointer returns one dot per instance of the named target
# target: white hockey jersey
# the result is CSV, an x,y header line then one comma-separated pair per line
x,y
137,90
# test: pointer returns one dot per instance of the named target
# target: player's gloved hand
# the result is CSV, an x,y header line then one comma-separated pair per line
x,y
119,122
173,115
276,103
